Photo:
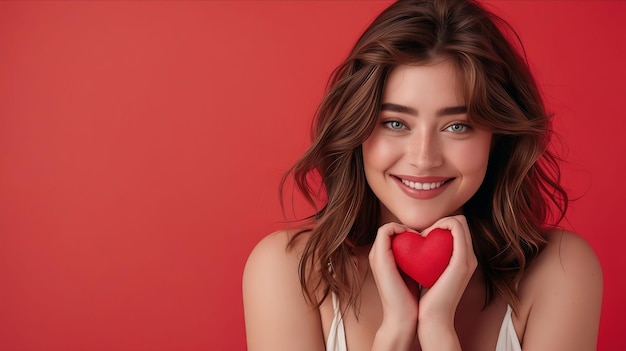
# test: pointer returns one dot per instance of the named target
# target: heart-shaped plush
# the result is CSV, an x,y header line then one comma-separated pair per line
x,y
423,258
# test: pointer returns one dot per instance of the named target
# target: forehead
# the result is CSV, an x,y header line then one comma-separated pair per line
x,y
436,83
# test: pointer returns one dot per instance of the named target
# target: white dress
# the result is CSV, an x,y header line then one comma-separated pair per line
x,y
507,339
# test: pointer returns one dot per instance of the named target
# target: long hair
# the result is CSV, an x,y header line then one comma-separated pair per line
x,y
520,194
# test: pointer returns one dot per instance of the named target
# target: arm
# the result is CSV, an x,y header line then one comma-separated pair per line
x,y
277,317
564,286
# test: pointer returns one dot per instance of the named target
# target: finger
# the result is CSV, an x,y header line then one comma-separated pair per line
x,y
469,245
393,228
459,228
462,246
454,225
384,234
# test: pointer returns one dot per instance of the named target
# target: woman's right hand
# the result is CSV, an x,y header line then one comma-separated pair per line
x,y
398,293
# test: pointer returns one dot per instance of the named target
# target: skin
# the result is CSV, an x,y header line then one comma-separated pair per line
x,y
560,293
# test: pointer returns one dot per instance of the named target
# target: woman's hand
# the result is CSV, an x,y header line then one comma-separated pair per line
x,y
434,319
438,304
398,293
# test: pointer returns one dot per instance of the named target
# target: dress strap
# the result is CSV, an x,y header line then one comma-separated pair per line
x,y
507,339
337,334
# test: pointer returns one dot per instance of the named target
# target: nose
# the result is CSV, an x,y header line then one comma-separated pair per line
x,y
424,151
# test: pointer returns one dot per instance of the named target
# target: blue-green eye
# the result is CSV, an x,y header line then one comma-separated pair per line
x,y
395,125
457,128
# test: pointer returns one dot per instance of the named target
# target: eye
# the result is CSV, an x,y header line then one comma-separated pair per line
x,y
396,125
457,128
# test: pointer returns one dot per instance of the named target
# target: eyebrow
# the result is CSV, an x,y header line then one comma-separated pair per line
x,y
446,111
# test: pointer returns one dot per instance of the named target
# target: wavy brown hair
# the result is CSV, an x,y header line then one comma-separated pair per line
x,y
520,195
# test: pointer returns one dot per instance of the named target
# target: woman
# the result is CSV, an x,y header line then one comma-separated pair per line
x,y
433,121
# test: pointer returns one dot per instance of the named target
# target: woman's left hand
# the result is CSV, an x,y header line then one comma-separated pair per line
x,y
438,304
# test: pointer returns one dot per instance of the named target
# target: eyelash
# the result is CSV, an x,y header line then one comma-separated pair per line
x,y
465,127
388,125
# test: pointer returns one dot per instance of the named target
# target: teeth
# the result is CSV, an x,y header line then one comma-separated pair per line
x,y
422,186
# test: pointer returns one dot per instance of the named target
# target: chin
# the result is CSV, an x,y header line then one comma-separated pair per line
x,y
422,221
418,224
416,218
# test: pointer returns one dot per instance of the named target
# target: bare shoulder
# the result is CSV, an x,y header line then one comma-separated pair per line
x,y
567,258
562,294
275,257
275,247
277,316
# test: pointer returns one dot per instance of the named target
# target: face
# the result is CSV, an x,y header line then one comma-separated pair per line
x,y
424,159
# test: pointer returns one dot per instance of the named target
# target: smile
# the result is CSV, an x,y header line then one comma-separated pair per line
x,y
426,188
421,186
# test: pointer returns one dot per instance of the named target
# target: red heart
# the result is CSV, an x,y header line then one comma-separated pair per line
x,y
423,258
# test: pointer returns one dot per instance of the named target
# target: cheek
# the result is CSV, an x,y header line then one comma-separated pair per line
x,y
379,152
472,159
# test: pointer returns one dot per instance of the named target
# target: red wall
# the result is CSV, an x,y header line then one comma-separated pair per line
x,y
141,144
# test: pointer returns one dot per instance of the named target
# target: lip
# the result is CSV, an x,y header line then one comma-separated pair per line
x,y
422,194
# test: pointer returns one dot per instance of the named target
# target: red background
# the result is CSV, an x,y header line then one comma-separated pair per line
x,y
141,145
